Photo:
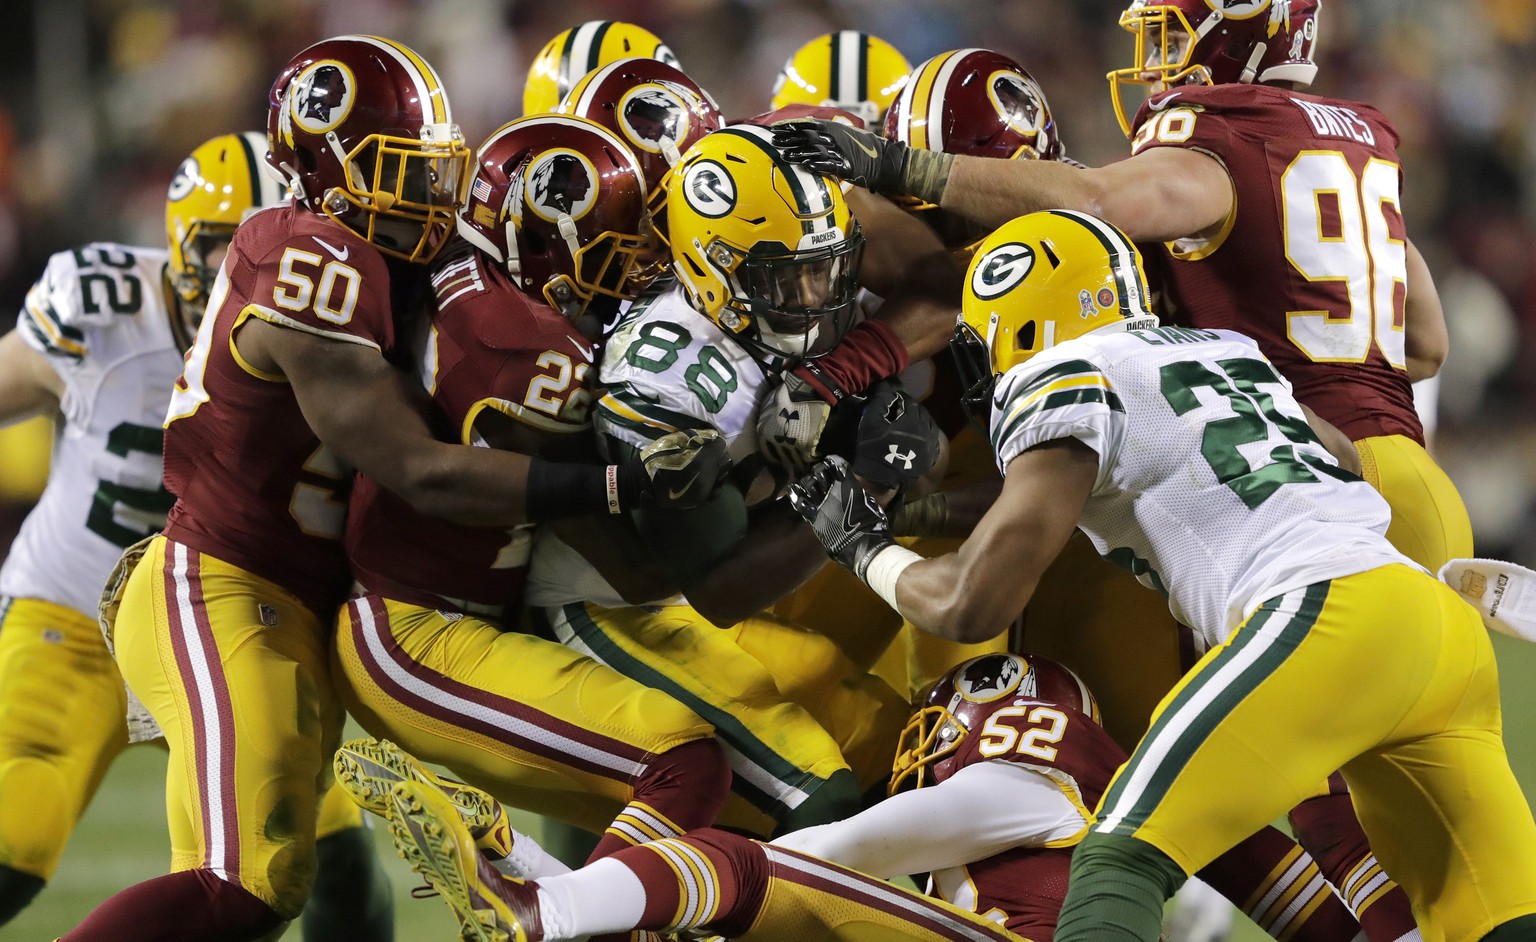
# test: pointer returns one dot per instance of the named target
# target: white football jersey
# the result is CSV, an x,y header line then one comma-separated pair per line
x,y
99,314
1212,487
665,368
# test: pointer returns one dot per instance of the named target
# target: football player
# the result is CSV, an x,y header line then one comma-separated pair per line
x,y
1183,455
989,795
767,260
848,70
574,52
101,338
1305,194
222,626
552,236
1228,151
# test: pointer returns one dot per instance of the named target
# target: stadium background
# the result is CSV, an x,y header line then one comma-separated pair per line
x,y
101,99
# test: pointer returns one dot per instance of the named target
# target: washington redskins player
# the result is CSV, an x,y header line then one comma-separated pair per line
x,y
289,386
990,791
554,235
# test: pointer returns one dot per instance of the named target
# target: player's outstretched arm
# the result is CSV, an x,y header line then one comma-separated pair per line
x,y
28,384
1160,194
906,264
1426,339
361,407
973,594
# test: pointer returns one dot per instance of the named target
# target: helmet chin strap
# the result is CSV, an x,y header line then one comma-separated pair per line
x,y
1252,68
567,227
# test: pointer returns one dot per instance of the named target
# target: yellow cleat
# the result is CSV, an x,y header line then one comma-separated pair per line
x,y
430,834
367,769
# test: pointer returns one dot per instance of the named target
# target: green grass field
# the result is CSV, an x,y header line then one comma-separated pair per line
x,y
122,838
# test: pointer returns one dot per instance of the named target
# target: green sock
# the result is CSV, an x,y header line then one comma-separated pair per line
x,y
1518,929
1117,890
836,799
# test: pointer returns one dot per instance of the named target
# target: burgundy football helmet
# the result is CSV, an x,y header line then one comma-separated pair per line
x,y
1216,42
360,129
560,201
960,702
975,102
654,108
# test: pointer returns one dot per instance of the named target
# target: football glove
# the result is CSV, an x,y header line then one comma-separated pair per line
x,y
863,158
898,440
790,422
1503,593
682,469
847,520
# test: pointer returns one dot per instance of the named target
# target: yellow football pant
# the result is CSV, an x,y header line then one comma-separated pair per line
x,y
235,671
538,725
1429,521
61,725
779,752
1386,674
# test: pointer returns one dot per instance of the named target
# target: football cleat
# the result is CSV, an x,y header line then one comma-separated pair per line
x,y
368,769
430,835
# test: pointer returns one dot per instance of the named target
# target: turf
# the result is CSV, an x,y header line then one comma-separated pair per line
x,y
122,838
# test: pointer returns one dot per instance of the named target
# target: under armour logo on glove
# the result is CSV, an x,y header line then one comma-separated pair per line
x,y
896,454
898,441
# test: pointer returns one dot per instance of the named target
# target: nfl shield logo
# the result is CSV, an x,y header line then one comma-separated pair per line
x,y
268,615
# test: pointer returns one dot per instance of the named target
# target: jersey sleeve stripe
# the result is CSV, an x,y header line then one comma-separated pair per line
x,y
633,408
538,420
1059,371
1055,402
57,337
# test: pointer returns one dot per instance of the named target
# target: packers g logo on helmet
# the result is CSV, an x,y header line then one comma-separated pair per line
x,y
709,189
1001,269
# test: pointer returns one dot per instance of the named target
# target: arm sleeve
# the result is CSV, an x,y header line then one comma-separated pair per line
x,y
981,810
49,321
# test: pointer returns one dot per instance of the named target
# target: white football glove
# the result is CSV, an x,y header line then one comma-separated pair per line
x,y
1503,593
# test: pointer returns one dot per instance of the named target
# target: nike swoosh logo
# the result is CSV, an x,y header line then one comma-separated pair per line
x,y
675,493
341,254
865,148
1158,105
585,351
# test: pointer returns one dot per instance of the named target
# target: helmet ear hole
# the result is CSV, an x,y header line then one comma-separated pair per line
x,y
1025,339
307,158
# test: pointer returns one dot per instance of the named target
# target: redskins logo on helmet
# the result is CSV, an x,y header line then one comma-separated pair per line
x,y
963,700
652,114
320,97
1018,101
561,183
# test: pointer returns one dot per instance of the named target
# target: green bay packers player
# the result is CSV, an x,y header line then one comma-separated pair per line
x,y
101,339
989,795
574,52
848,70
1182,454
766,259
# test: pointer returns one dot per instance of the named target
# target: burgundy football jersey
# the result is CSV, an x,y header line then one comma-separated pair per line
x,y
490,347
255,486
1024,887
1312,262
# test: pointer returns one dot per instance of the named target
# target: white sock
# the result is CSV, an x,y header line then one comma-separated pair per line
x,y
604,896
529,860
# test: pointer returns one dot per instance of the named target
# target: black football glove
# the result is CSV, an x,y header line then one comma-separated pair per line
x,y
683,469
861,157
864,158
898,440
845,517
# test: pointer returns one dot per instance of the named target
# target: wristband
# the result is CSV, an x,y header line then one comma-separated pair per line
x,y
927,517
557,489
885,568
870,351
925,174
